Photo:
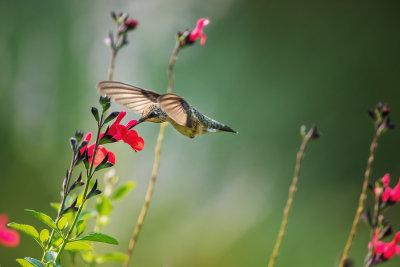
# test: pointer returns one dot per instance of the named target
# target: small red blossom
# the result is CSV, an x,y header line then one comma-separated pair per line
x,y
131,23
389,194
122,132
8,237
100,154
198,31
388,250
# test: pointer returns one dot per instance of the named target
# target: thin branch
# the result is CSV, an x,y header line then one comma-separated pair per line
x,y
292,191
363,197
65,194
149,194
171,65
112,64
150,188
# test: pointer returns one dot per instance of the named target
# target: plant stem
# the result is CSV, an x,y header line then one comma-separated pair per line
x,y
89,176
112,64
156,165
363,196
61,208
171,65
289,202
149,193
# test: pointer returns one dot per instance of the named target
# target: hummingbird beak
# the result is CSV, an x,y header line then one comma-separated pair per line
x,y
138,122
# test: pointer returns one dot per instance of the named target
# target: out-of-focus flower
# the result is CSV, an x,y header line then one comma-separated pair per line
x,y
198,31
128,25
387,250
131,23
390,195
119,132
8,237
100,154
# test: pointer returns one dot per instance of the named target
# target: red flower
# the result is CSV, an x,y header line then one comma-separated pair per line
x,y
8,237
100,154
122,132
198,31
389,194
388,250
131,24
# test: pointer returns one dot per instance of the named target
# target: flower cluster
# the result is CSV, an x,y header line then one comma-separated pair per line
x,y
388,195
189,37
8,237
117,132
124,24
380,251
114,133
384,251
380,116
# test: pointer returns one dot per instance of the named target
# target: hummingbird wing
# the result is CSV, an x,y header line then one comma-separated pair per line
x,y
132,97
176,108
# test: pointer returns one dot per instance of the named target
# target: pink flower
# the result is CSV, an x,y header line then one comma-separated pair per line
x,y
198,31
131,24
8,237
388,250
389,194
121,132
100,154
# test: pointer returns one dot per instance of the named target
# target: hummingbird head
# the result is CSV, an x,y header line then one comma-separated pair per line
x,y
153,114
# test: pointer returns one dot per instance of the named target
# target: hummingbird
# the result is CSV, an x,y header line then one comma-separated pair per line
x,y
158,108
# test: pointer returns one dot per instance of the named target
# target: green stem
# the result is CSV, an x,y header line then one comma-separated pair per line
x,y
363,197
89,176
289,202
61,208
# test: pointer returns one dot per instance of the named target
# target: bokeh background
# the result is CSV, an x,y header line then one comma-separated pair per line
x,y
267,68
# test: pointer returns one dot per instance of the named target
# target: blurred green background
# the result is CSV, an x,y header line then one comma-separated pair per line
x,y
267,68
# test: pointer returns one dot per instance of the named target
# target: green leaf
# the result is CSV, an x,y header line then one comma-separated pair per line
x,y
26,229
80,227
43,218
62,223
24,263
34,262
55,205
122,191
104,206
57,242
50,257
44,235
113,256
78,246
87,214
99,237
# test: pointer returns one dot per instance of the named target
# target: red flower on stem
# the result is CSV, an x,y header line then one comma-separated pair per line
x,y
388,250
131,23
198,31
121,132
8,237
388,194
100,154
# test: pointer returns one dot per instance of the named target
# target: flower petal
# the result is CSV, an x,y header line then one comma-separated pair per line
x,y
386,194
9,237
395,194
3,220
386,179
198,31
